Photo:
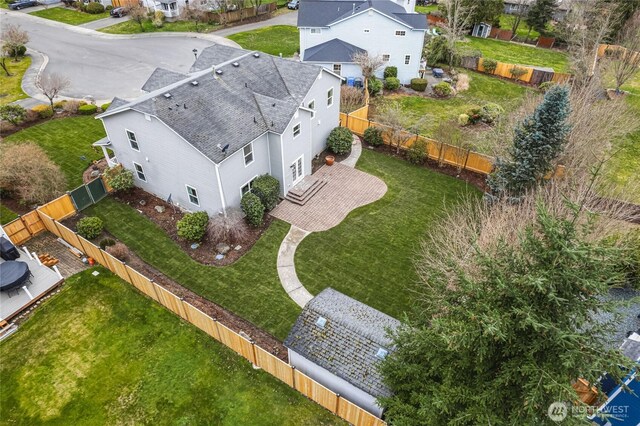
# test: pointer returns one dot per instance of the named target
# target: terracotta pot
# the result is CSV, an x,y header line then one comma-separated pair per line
x,y
329,159
91,261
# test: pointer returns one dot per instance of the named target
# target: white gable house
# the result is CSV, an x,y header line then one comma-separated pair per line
x,y
331,31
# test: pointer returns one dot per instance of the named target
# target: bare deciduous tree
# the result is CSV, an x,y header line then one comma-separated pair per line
x,y
13,39
195,12
369,65
459,16
51,85
351,98
395,121
625,61
138,14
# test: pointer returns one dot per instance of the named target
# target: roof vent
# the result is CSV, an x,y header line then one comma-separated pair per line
x,y
167,95
256,55
321,322
219,72
194,83
382,353
235,64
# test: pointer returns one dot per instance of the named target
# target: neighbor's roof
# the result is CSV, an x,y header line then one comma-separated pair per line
x,y
161,77
323,13
334,50
562,4
349,341
260,94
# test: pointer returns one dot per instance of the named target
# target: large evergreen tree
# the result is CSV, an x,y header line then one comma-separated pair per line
x,y
540,13
538,141
505,320
487,11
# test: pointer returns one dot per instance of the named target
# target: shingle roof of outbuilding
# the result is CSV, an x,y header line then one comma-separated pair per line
x,y
323,13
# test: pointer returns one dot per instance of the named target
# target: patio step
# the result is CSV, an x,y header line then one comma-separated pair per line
x,y
303,192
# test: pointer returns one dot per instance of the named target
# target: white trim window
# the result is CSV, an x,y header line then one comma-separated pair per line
x,y
247,187
329,97
315,31
407,59
193,195
133,141
312,106
139,171
337,69
296,130
386,57
367,30
400,33
247,151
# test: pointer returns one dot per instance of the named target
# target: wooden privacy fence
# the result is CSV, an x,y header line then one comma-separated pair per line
x,y
241,14
532,75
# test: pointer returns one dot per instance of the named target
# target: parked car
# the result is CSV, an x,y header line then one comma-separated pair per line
x,y
118,12
293,4
21,4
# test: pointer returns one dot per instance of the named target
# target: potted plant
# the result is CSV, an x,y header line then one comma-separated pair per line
x,y
329,160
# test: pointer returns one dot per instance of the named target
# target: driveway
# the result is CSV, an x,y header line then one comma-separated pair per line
x,y
105,65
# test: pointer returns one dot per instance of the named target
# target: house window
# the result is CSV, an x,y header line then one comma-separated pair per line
x,y
193,195
401,33
367,30
296,130
140,172
172,6
337,68
246,187
312,107
386,57
316,31
330,97
248,154
132,140
407,59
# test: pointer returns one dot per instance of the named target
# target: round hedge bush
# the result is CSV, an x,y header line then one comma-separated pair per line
x,y
390,72
119,178
193,226
94,8
340,140
267,188
87,109
543,87
109,8
463,119
374,86
419,84
252,208
417,153
443,89
43,111
373,136
104,107
90,227
391,83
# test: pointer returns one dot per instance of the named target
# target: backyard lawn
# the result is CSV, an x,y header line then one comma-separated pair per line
x,y
6,214
11,87
131,27
273,40
369,255
69,16
427,9
65,142
101,353
520,54
250,287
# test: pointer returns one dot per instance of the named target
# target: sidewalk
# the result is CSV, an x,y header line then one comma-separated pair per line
x,y
104,23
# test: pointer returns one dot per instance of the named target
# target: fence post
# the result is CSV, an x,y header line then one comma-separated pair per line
x,y
153,286
55,223
255,356
26,226
338,397
123,264
347,126
293,377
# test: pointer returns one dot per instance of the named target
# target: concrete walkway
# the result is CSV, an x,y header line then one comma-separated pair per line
x,y
104,23
354,156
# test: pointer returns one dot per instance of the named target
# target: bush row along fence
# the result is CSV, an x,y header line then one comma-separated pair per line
x,y
455,156
47,217
531,75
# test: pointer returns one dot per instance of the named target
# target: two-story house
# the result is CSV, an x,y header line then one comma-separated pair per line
x,y
202,138
331,31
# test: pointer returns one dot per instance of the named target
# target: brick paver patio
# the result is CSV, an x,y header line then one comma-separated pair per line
x,y
346,190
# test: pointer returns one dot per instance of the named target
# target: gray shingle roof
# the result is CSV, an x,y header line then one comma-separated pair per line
x,y
334,50
214,55
323,13
116,103
348,343
631,347
233,107
161,77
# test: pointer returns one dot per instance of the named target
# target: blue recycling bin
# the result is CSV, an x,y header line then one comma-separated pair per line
x,y
351,81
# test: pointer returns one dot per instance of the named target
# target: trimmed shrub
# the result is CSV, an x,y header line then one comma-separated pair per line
x,y
43,111
252,208
546,86
463,119
109,8
59,104
517,72
87,109
119,251
443,89
193,226
374,86
373,136
340,140
419,84
267,188
390,72
94,8
490,113
417,153
391,83
475,115
104,107
489,65
20,50
119,178
13,113
106,242
90,227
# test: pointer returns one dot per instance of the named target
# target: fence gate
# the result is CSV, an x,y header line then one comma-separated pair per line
x,y
81,198
540,76
96,190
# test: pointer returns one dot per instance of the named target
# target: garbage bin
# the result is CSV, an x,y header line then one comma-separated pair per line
x,y
351,81
358,82
7,250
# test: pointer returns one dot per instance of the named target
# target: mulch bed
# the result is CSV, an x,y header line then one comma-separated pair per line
x,y
7,129
17,207
100,166
319,160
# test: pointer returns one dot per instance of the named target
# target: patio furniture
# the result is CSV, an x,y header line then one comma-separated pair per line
x,y
438,72
48,260
7,250
13,274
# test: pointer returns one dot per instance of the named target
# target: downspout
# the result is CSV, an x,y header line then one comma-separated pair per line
x,y
224,204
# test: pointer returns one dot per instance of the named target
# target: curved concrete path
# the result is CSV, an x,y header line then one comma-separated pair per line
x,y
286,254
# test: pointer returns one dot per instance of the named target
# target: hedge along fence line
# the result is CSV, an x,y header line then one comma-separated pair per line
x,y
48,217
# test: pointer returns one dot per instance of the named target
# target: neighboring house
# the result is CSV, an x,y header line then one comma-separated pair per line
x,y
170,8
331,31
202,138
339,342
513,7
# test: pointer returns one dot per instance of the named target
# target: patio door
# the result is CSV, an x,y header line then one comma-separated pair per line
x,y
297,171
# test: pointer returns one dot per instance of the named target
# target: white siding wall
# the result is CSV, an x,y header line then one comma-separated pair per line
x,y
325,118
294,148
380,40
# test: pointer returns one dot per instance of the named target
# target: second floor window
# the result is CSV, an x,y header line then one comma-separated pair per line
x,y
337,68
386,57
407,59
330,97
296,130
316,31
248,154
312,107
132,140
401,33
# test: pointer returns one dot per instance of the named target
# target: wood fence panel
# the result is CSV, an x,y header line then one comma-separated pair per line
x,y
69,236
479,163
48,223
33,223
236,342
274,366
356,415
361,113
92,251
139,281
17,231
201,320
60,208
315,391
560,78
170,301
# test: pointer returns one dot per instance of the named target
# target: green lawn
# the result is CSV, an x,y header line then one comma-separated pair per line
x,y
69,16
250,287
369,255
65,142
427,9
520,54
273,40
506,23
6,214
101,353
11,87
130,27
